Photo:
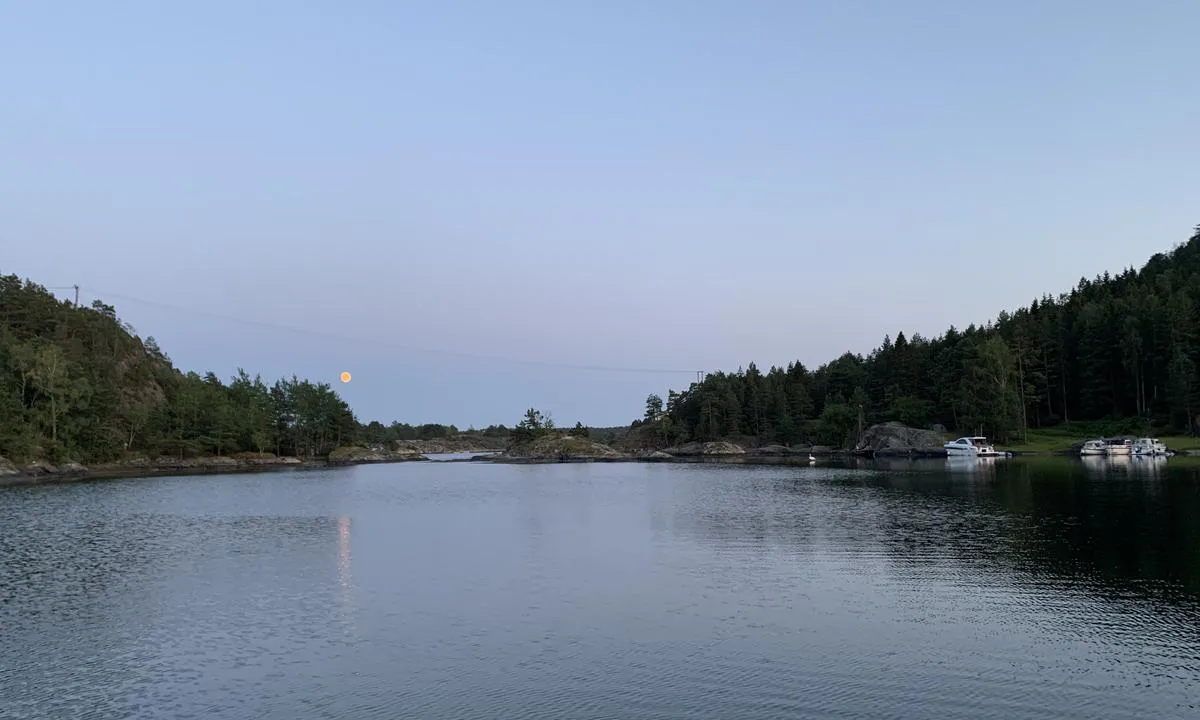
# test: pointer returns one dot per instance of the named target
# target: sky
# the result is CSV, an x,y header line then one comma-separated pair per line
x,y
479,207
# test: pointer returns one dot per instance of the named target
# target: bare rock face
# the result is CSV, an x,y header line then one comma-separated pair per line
x,y
560,448
708,449
651,455
893,438
170,463
40,469
253,459
167,462
775,450
357,455
450,445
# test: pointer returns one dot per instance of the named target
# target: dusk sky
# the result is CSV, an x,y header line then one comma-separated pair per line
x,y
651,186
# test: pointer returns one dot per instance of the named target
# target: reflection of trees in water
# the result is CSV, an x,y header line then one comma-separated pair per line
x,y
1050,518
1100,466
1127,528
1058,517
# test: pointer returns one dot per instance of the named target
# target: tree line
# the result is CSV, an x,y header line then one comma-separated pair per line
x,y
377,433
77,383
1124,350
1119,350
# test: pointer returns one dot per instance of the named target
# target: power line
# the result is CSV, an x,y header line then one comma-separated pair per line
x,y
397,346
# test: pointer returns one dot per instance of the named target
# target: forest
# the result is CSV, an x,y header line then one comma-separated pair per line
x,y
1119,350
77,383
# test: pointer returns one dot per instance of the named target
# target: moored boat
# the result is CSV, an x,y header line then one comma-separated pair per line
x,y
1150,446
1119,447
977,446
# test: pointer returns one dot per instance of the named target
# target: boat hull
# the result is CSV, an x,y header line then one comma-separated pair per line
x,y
975,447
960,451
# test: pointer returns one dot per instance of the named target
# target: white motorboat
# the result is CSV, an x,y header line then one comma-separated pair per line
x,y
1119,447
976,446
1094,447
1150,446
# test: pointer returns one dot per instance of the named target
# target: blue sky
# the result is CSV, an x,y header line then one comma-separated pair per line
x,y
658,184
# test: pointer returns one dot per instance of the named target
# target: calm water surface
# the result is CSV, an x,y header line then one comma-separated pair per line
x,y
1015,589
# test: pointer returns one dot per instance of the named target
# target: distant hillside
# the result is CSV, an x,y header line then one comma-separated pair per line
x,y
1123,349
77,383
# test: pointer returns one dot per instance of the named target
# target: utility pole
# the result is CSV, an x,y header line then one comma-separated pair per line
x,y
76,295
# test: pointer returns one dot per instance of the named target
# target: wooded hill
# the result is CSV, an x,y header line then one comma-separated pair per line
x,y
1122,349
77,383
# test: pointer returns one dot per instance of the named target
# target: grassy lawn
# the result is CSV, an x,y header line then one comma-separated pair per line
x,y
1062,438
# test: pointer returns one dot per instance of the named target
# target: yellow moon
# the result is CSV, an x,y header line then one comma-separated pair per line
x,y
345,377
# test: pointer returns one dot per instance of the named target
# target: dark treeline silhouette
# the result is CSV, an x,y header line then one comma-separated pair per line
x,y
1121,349
77,383
376,432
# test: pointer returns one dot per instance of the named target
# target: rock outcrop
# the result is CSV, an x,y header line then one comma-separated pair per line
x,y
39,471
165,463
359,455
772,451
894,438
653,456
451,445
559,448
789,451
41,468
708,449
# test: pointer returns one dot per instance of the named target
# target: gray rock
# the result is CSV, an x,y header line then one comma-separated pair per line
x,y
773,450
708,448
893,438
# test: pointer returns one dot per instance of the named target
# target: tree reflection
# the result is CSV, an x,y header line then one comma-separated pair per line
x,y
1127,527
1130,525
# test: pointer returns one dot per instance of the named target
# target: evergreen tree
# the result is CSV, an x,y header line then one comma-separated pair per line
x,y
1119,347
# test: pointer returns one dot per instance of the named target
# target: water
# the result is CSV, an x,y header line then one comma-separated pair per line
x,y
467,591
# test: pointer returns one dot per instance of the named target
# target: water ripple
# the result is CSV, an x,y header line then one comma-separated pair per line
x,y
608,591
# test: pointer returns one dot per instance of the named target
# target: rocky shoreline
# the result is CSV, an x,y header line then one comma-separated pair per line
x,y
44,472
889,440
41,472
565,448
551,449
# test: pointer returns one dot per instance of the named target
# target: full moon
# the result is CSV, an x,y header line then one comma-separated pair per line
x,y
345,377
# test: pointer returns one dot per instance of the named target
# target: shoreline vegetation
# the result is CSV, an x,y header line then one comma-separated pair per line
x,y
83,396
555,448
